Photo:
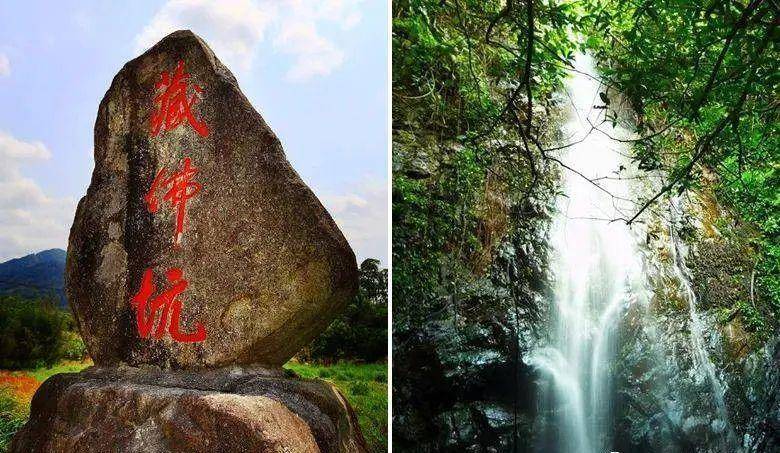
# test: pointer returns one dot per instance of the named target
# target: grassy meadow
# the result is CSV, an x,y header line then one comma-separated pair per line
x,y
364,385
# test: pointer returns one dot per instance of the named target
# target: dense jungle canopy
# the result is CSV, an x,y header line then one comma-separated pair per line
x,y
476,90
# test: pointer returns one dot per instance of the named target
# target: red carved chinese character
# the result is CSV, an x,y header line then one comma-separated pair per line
x,y
173,105
180,189
166,302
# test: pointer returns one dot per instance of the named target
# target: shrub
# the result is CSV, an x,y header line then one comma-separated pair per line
x,y
33,333
360,388
73,347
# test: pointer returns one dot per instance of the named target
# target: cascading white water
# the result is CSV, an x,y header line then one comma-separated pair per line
x,y
702,365
597,273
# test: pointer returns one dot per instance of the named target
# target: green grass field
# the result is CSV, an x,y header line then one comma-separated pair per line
x,y
43,373
364,385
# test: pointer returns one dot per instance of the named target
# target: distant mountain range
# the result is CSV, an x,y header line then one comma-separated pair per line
x,y
40,275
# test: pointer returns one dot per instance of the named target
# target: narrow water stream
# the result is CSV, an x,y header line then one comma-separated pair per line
x,y
702,364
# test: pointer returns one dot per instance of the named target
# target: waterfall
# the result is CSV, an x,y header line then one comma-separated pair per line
x,y
597,272
702,364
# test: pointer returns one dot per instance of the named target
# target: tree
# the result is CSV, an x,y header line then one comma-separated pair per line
x,y
33,332
703,78
360,333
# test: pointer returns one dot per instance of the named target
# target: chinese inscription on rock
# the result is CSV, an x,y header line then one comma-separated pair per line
x,y
173,108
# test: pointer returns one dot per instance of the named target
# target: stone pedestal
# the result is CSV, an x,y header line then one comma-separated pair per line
x,y
148,410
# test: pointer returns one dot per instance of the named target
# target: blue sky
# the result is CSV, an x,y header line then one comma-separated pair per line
x,y
316,71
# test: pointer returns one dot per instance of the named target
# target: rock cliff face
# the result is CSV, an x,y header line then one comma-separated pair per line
x,y
689,375
466,371
677,392
460,381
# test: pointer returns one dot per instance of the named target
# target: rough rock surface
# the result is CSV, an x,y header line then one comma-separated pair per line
x,y
267,267
150,410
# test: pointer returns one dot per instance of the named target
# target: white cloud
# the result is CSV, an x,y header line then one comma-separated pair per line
x,y
30,220
314,55
5,65
13,149
233,28
343,11
236,29
299,35
361,214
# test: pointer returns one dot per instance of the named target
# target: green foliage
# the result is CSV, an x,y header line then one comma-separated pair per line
x,y
360,333
431,223
703,77
471,191
754,319
45,372
365,387
12,418
451,76
34,333
359,388
73,347
461,79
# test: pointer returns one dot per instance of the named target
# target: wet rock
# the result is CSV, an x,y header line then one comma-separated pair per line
x,y
195,188
418,168
148,410
413,159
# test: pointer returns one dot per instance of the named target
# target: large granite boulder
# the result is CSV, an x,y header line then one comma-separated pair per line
x,y
197,244
154,411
